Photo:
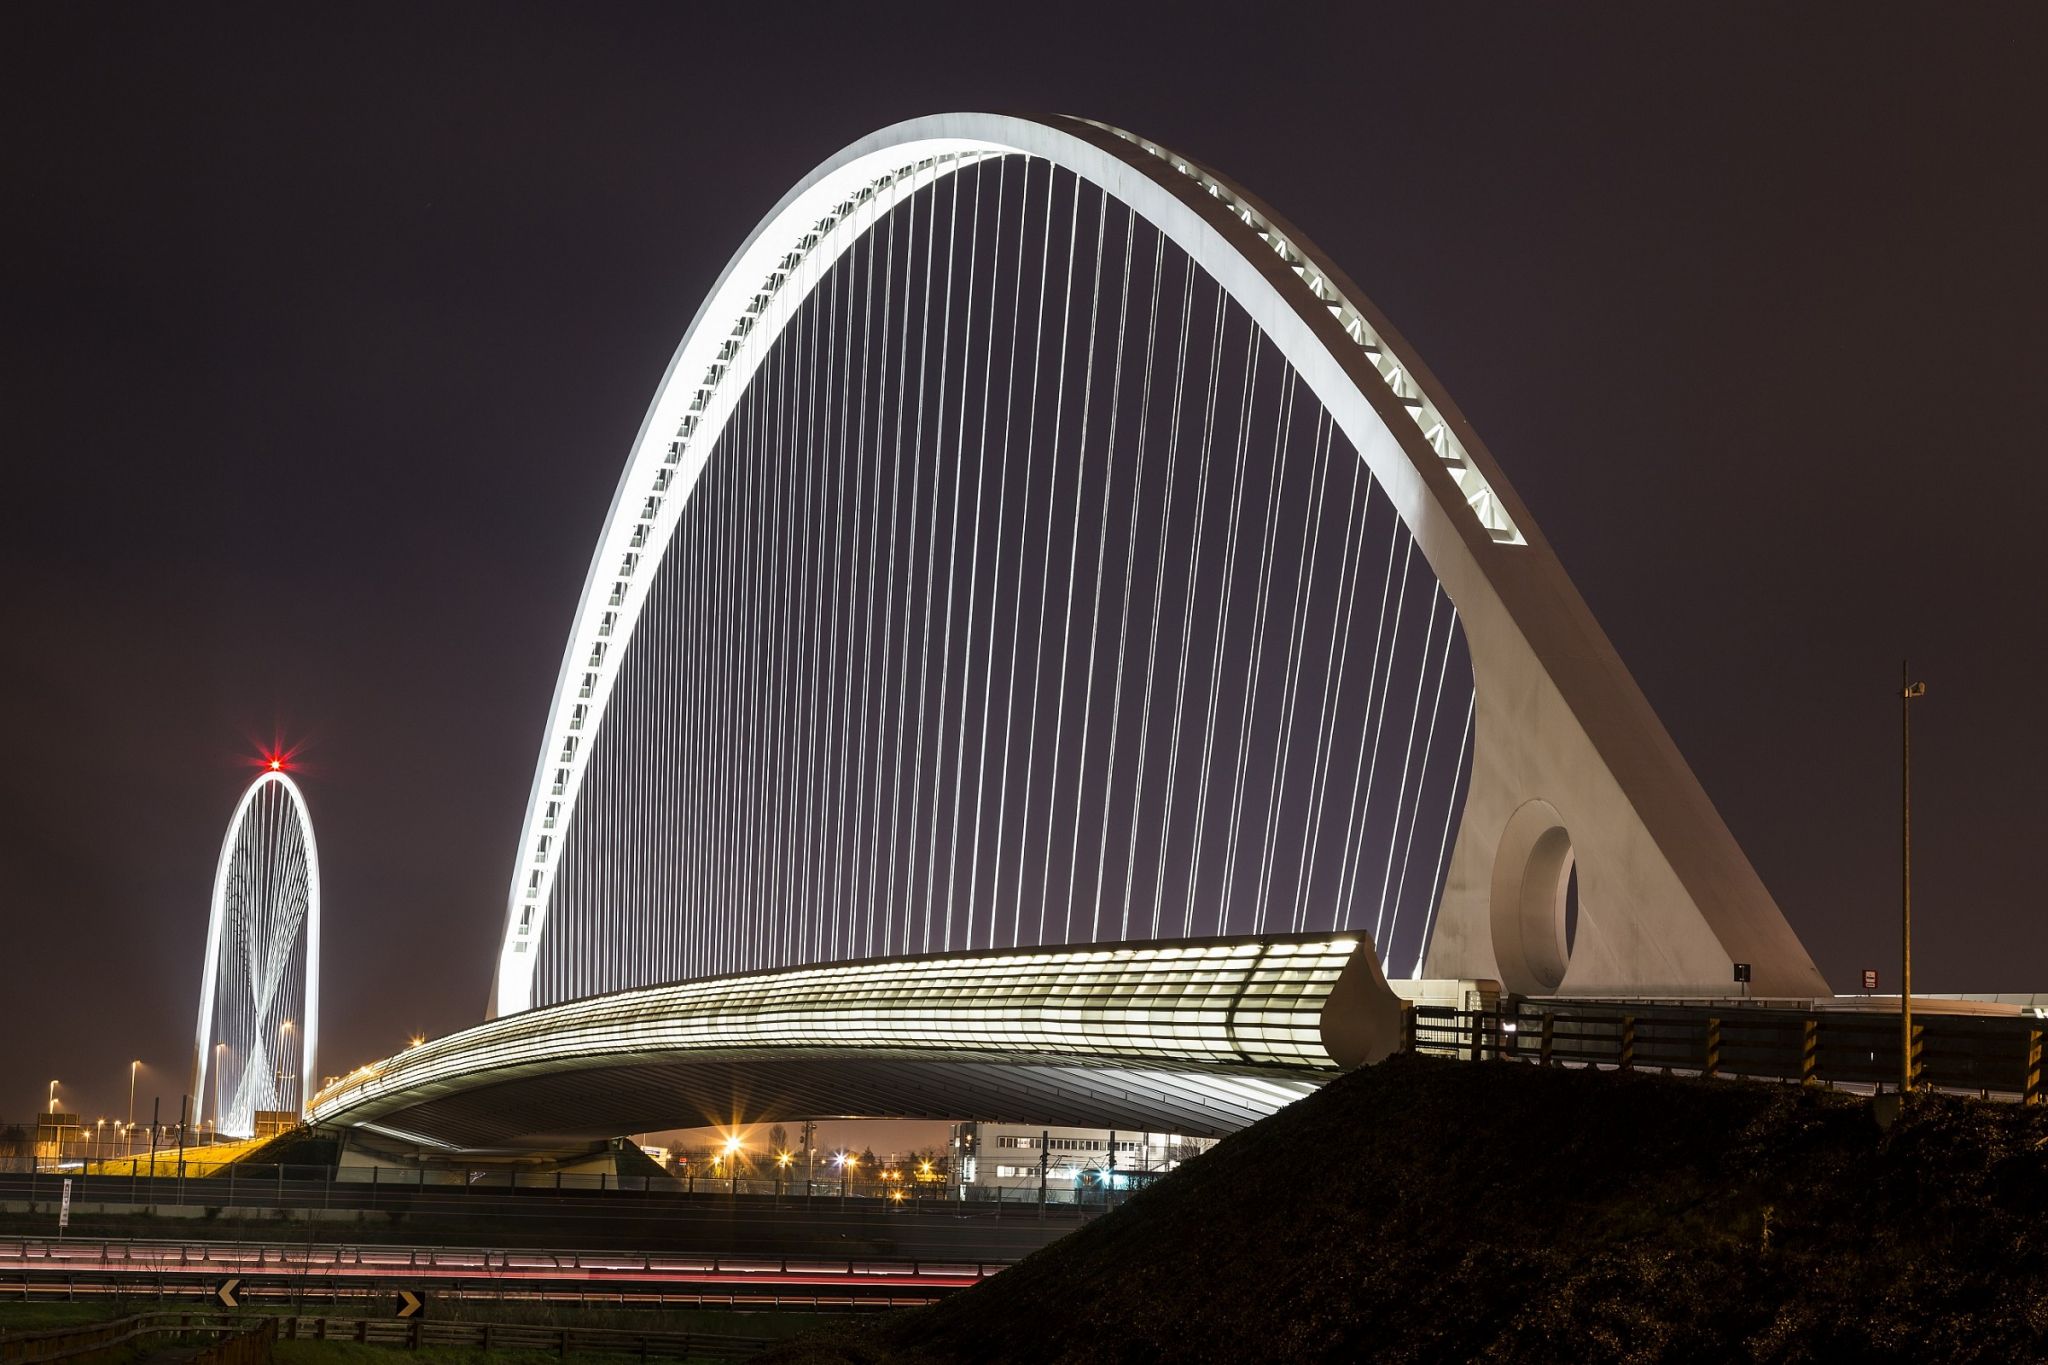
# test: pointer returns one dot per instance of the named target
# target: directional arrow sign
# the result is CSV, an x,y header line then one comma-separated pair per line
x,y
408,1303
226,1293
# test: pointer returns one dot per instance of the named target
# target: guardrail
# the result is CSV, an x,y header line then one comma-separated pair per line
x,y
234,1341
1995,1057
71,1254
241,1186
248,1340
503,1336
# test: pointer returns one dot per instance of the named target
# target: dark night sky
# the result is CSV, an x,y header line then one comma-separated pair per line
x,y
323,347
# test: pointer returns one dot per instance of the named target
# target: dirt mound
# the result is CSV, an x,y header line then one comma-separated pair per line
x,y
1427,1210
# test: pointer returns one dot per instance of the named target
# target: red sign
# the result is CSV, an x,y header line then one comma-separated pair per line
x,y
1870,978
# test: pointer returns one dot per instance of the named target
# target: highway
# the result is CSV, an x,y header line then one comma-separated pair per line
x,y
756,1225
197,1268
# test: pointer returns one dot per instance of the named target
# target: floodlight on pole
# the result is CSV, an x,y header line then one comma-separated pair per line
x,y
1909,692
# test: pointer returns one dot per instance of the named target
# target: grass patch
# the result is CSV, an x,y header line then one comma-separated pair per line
x,y
39,1316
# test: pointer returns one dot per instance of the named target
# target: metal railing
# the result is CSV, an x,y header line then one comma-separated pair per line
x,y
232,1341
217,1258
453,1190
1995,1057
415,1333
247,1340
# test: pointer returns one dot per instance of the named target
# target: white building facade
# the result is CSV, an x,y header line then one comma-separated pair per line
x,y
1023,1156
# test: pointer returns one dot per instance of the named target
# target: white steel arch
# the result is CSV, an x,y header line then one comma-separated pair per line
x,y
280,849
1668,900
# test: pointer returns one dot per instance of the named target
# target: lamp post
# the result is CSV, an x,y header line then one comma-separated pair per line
x,y
134,1067
1909,692
284,1073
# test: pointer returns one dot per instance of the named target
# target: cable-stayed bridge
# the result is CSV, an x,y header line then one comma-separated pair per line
x,y
1039,554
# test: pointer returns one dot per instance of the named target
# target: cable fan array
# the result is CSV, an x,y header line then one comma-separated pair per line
x,y
1029,597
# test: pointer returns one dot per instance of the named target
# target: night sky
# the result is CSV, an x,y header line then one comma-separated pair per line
x,y
323,347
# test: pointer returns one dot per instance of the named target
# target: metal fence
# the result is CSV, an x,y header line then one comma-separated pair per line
x,y
1992,1056
291,1276
454,1190
229,1341
248,1340
224,1258
502,1336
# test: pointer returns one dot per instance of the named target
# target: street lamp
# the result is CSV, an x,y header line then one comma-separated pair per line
x,y
1909,692
284,1074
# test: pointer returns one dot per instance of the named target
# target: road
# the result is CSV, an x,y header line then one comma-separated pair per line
x,y
762,1225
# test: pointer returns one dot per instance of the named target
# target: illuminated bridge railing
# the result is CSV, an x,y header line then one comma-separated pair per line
x,y
1305,1004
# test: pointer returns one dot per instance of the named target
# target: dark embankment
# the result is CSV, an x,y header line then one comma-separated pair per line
x,y
1440,1211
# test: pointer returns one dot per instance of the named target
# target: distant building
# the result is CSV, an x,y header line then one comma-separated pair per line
x,y
271,1122
54,1129
1015,1156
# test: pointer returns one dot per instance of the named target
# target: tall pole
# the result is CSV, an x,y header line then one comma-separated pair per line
x,y
133,1068
1908,691
284,1051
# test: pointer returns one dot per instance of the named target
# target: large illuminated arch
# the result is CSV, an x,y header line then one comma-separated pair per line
x,y
259,1020
1571,769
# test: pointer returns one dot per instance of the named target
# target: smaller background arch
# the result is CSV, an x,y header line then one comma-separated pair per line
x,y
259,1000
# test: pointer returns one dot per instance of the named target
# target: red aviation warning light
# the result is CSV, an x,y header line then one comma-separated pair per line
x,y
273,755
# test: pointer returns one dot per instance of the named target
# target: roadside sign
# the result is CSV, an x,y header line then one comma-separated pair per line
x,y
1742,971
64,1207
226,1293
1870,978
409,1303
